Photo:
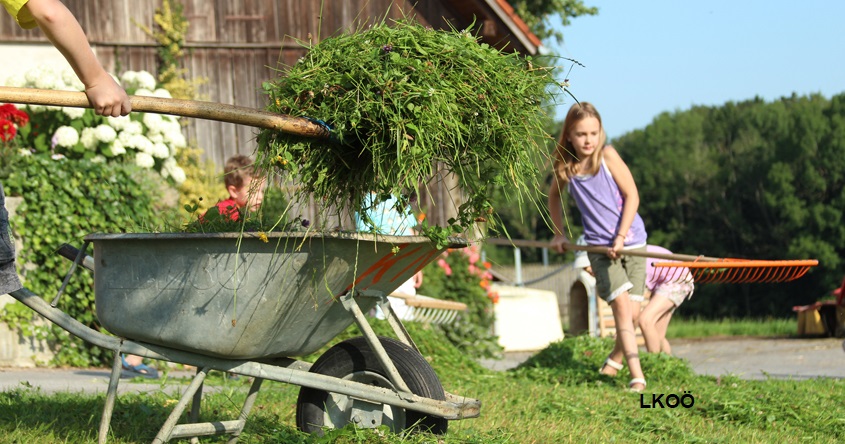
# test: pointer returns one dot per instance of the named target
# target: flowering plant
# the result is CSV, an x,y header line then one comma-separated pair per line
x,y
460,275
146,139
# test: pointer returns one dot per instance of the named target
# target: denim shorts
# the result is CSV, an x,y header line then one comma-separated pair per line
x,y
616,276
8,275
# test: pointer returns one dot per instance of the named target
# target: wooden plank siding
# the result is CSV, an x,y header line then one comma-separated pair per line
x,y
238,45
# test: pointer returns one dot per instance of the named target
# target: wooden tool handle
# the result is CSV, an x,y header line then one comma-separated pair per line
x,y
600,250
186,108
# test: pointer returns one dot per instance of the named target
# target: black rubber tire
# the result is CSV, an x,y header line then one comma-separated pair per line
x,y
353,359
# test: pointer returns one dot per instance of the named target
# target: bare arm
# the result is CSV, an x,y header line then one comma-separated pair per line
x,y
61,27
556,212
628,188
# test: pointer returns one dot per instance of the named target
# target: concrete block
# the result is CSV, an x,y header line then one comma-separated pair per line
x,y
526,319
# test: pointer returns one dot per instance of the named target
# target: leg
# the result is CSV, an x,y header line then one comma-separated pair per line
x,y
656,309
8,275
662,326
622,314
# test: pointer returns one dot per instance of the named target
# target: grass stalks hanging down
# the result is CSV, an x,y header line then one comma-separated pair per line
x,y
402,101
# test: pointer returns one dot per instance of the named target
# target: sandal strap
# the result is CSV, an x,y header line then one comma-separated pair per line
x,y
637,381
613,364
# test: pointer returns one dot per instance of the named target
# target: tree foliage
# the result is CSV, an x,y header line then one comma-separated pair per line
x,y
538,14
752,180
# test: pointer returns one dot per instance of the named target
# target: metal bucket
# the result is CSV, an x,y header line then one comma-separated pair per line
x,y
237,296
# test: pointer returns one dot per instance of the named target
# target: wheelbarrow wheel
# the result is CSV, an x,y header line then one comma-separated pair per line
x,y
353,360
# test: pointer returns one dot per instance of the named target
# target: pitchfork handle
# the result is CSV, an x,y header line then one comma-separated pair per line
x,y
221,112
600,250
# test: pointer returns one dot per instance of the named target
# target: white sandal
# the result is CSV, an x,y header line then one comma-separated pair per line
x,y
612,364
634,382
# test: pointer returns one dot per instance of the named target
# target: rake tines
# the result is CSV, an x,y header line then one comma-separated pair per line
x,y
734,271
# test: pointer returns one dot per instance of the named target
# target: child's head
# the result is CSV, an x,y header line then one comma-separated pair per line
x,y
582,135
243,183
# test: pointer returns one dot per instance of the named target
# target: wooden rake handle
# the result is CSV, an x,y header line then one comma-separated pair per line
x,y
186,108
601,250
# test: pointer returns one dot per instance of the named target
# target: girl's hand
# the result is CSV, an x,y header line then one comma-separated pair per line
x,y
618,245
560,243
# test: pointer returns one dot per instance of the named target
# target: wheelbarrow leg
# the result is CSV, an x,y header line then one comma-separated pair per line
x,y
393,375
195,408
392,319
250,400
111,396
167,429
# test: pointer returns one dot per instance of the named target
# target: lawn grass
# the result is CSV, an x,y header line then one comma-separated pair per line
x,y
555,396
703,328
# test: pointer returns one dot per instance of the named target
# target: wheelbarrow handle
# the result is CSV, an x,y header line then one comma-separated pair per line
x,y
221,112
600,250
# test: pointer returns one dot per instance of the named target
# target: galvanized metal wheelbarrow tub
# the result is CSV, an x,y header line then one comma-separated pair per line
x,y
249,304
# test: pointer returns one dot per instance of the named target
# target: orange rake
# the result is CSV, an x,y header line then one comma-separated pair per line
x,y
733,271
700,269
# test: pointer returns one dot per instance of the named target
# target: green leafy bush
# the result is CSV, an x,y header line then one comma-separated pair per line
x,y
65,200
459,276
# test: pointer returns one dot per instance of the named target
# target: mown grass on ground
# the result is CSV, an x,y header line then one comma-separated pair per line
x,y
701,328
555,396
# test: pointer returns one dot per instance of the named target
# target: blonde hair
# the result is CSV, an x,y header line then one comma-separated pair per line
x,y
565,159
238,169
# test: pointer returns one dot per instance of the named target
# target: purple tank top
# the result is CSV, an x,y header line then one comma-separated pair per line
x,y
600,202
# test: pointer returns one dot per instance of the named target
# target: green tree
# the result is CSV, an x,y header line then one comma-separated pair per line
x,y
751,179
538,15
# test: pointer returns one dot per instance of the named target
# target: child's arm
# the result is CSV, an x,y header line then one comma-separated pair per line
x,y
631,197
61,27
556,212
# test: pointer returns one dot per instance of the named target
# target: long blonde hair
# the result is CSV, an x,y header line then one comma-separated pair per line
x,y
565,158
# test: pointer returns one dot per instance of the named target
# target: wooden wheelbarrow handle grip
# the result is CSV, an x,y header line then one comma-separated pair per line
x,y
186,108
601,250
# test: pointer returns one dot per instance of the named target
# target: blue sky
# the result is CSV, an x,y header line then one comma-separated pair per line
x,y
643,58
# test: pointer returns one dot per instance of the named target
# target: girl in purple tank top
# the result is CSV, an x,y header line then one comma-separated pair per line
x,y
604,190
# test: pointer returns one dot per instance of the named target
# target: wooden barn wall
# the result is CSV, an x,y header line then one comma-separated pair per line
x,y
237,45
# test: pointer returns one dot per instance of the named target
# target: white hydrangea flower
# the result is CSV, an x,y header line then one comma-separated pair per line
x,y
116,148
155,137
48,78
105,133
143,92
24,152
175,172
73,113
99,158
163,93
72,81
118,123
32,76
16,81
160,150
89,138
65,136
128,79
175,139
134,127
144,160
36,108
154,122
145,80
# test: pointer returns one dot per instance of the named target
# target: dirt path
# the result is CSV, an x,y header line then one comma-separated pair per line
x,y
748,358
761,358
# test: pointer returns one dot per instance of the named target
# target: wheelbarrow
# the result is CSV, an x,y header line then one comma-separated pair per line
x,y
247,305
235,303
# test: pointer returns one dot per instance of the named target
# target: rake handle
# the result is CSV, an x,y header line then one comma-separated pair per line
x,y
186,108
600,250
